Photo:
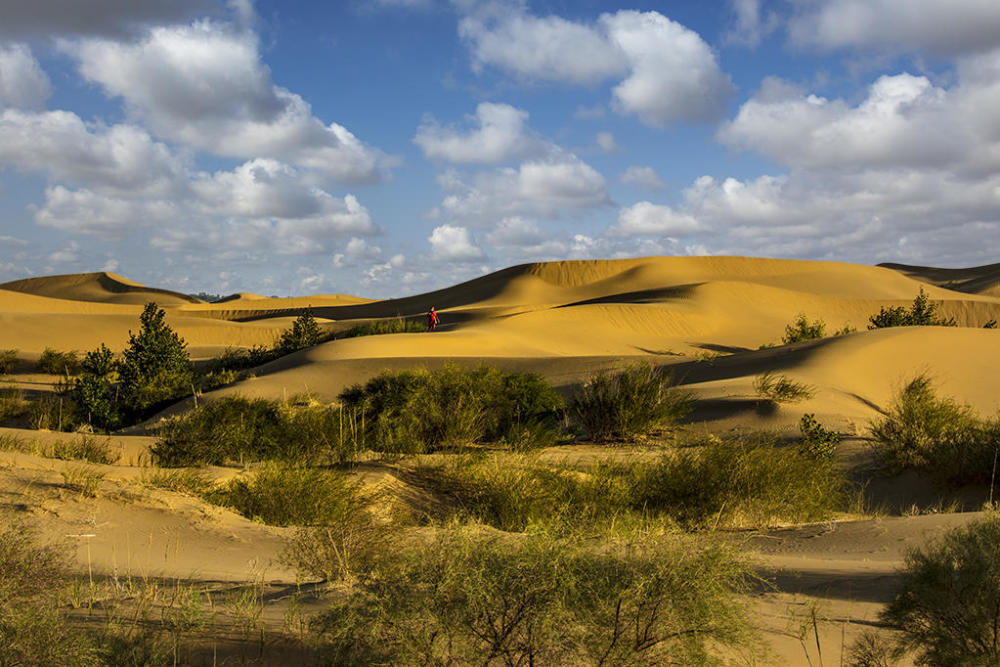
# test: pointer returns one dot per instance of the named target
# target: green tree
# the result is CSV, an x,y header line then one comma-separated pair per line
x,y
155,367
801,329
922,313
95,390
304,333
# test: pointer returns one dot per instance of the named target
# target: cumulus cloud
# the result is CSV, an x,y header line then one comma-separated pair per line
x,y
953,27
670,74
453,244
23,84
647,219
204,85
606,142
543,188
751,24
87,212
501,135
526,240
356,251
644,177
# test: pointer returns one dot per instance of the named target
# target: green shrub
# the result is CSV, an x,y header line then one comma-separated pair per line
x,y
924,431
630,402
801,329
380,327
948,609
921,313
12,403
419,411
87,449
283,495
742,480
303,333
7,360
781,388
817,441
469,599
94,391
184,480
54,362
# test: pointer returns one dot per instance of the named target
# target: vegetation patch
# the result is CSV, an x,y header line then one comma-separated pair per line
x,y
395,325
7,360
924,431
781,388
628,403
817,441
55,362
921,313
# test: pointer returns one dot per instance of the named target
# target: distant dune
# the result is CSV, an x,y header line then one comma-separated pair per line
x,y
101,287
976,280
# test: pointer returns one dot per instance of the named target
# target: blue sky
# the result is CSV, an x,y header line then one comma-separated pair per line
x,y
386,147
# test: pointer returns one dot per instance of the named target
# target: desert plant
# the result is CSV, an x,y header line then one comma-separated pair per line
x,y
817,441
921,313
303,333
192,481
86,448
82,479
54,362
924,431
12,402
95,392
7,360
468,598
630,402
155,367
871,650
780,388
800,329
948,608
380,327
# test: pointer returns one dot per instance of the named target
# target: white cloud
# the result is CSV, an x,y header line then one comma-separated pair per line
x,y
453,244
23,84
356,251
751,24
68,254
644,177
204,85
648,219
955,26
670,73
543,188
523,240
87,212
500,136
606,142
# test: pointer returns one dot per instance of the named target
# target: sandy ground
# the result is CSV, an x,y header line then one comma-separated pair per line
x,y
705,318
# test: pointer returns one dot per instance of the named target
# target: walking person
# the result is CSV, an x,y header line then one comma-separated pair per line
x,y
432,320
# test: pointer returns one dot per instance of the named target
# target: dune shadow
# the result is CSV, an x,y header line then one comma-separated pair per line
x,y
711,409
640,296
879,587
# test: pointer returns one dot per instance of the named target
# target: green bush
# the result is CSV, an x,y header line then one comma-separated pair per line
x,y
801,329
781,388
54,362
87,449
155,367
921,313
380,327
926,432
284,495
817,441
7,360
948,609
420,411
235,429
742,480
630,402
94,391
470,599
303,333
12,403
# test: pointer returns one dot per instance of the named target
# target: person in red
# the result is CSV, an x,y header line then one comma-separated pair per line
x,y
432,320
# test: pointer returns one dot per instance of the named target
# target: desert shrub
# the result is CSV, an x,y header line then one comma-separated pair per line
x,y
380,327
739,480
86,448
54,362
780,388
800,329
303,333
191,481
467,598
83,479
12,403
33,631
924,431
7,360
94,391
948,608
630,402
418,411
817,441
155,367
921,313
871,650
284,495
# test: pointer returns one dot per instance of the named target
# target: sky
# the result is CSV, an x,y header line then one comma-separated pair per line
x,y
389,147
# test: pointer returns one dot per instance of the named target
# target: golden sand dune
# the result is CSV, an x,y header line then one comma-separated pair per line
x,y
101,287
975,280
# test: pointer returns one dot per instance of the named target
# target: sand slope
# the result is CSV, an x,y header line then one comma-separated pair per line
x,y
102,287
975,280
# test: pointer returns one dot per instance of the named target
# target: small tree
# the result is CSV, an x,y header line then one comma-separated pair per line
x,y
800,330
155,366
921,313
304,333
94,390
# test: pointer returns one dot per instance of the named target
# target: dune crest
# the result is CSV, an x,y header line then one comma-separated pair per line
x,y
100,287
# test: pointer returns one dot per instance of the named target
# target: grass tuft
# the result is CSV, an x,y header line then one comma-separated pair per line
x,y
781,389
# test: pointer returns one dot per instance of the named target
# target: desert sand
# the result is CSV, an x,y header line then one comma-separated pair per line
x,y
704,317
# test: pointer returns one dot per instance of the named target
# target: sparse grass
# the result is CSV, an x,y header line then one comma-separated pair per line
x,y
817,440
466,598
380,327
12,403
87,448
800,329
948,608
53,412
7,360
182,480
936,434
83,479
55,362
781,389
628,403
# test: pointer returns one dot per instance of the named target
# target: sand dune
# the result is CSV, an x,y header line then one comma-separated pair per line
x,y
975,280
101,287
